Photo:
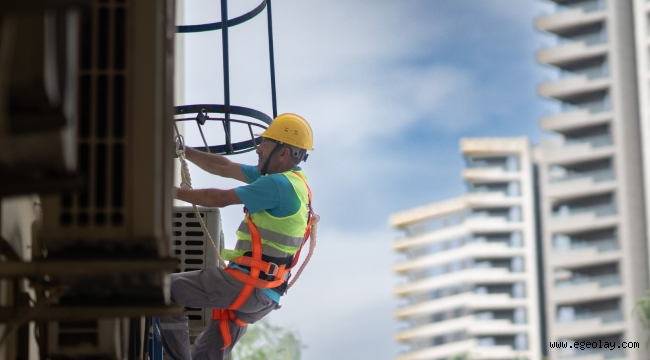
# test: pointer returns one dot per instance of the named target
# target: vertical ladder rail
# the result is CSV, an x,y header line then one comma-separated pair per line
x,y
226,69
271,57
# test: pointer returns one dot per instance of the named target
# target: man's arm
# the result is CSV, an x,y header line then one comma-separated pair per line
x,y
207,197
215,164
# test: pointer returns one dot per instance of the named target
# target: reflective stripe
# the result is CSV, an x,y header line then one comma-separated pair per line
x,y
281,236
284,248
173,326
266,249
273,236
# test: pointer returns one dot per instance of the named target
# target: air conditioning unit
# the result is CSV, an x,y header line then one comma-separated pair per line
x,y
124,136
191,247
98,339
125,152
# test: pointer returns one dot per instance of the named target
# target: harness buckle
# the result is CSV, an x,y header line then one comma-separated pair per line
x,y
276,268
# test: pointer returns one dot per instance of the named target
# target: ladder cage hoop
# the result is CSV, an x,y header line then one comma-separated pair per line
x,y
184,29
228,148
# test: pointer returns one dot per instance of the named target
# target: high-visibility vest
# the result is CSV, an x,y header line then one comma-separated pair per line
x,y
281,236
277,235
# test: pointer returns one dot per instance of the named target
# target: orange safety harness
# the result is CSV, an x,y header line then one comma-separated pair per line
x,y
256,264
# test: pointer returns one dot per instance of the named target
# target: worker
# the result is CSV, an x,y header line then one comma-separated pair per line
x,y
277,204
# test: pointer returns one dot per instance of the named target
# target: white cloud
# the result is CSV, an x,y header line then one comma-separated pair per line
x,y
342,303
363,73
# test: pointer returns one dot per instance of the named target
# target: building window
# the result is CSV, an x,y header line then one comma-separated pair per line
x,y
519,316
518,291
485,341
517,264
516,240
514,214
521,341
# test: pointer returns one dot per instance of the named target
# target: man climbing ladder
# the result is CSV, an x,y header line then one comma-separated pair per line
x,y
277,223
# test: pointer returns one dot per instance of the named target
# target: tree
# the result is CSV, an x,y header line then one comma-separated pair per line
x,y
264,341
642,311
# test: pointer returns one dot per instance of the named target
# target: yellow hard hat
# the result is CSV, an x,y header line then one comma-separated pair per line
x,y
290,129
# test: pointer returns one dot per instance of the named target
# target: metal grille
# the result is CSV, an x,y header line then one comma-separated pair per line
x,y
191,247
102,111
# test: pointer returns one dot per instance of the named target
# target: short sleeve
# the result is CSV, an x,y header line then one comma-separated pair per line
x,y
262,194
250,173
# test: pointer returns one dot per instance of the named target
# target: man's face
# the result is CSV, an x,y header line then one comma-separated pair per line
x,y
263,151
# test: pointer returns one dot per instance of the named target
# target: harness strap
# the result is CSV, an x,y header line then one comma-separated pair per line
x,y
223,316
251,281
258,283
309,221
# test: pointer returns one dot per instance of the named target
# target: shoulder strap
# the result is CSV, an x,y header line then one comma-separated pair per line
x,y
309,221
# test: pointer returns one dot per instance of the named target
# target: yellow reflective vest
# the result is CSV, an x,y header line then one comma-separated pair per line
x,y
281,236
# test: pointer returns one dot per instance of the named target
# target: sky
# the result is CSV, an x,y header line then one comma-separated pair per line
x,y
389,88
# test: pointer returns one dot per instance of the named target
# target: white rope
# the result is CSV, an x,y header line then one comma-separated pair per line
x,y
312,245
186,183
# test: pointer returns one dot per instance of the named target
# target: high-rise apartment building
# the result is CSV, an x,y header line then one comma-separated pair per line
x,y
592,203
642,38
470,262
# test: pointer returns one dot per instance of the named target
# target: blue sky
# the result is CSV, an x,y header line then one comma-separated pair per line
x,y
389,88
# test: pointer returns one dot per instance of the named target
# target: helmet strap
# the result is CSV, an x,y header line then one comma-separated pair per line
x,y
265,168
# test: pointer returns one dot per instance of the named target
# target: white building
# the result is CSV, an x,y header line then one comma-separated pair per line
x,y
590,175
470,262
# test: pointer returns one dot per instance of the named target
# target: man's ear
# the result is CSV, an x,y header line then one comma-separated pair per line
x,y
285,152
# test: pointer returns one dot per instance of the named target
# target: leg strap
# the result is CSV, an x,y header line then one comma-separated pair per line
x,y
250,280
223,316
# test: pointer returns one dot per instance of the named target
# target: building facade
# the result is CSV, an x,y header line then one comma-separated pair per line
x,y
470,263
591,181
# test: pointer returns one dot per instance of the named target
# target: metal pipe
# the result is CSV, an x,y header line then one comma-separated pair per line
x,y
271,57
226,68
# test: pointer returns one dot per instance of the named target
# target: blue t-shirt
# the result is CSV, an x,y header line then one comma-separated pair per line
x,y
273,193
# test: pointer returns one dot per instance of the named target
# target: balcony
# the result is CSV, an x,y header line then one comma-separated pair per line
x,y
569,17
503,188
583,219
589,256
468,300
574,119
571,52
495,327
442,351
603,281
474,275
599,246
467,251
581,183
489,174
604,317
509,163
584,292
572,173
590,327
581,287
561,151
435,329
601,205
566,88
